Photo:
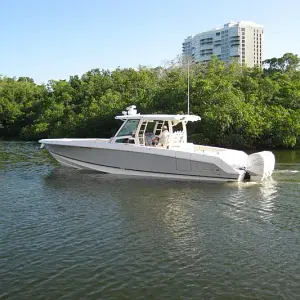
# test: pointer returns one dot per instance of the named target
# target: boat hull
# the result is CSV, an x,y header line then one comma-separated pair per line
x,y
147,163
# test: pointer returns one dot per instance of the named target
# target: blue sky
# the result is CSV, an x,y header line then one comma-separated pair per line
x,y
54,39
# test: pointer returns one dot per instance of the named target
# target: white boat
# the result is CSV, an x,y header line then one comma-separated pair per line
x,y
132,152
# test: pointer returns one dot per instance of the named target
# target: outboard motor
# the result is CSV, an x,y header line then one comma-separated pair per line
x,y
260,165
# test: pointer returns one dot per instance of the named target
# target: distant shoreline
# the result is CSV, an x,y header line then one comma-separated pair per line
x,y
240,107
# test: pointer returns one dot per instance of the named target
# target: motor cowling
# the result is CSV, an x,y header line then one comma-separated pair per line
x,y
260,165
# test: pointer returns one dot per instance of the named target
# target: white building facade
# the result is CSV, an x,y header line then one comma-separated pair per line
x,y
240,41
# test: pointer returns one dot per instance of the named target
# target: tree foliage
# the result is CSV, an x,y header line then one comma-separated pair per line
x,y
240,107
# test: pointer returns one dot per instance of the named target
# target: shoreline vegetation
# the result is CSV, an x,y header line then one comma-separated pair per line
x,y
240,107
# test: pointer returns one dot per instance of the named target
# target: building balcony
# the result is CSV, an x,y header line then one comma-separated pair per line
x,y
206,43
205,47
206,40
208,55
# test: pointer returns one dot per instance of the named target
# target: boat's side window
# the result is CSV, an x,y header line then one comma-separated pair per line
x,y
125,140
129,127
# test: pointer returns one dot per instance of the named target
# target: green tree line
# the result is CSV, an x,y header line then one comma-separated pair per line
x,y
240,107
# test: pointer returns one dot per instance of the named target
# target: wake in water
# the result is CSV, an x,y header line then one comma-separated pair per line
x,y
286,171
287,175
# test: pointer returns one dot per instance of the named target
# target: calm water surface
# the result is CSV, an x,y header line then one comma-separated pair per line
x,y
67,234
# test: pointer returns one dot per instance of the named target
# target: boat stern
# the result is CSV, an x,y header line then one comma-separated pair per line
x,y
260,165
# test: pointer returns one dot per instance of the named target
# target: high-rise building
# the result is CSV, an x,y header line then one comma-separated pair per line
x,y
240,41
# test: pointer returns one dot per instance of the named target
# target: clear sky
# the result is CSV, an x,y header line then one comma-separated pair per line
x,y
53,39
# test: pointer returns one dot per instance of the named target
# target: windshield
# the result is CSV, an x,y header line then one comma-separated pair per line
x,y
129,127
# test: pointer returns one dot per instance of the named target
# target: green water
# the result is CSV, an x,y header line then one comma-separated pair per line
x,y
67,234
